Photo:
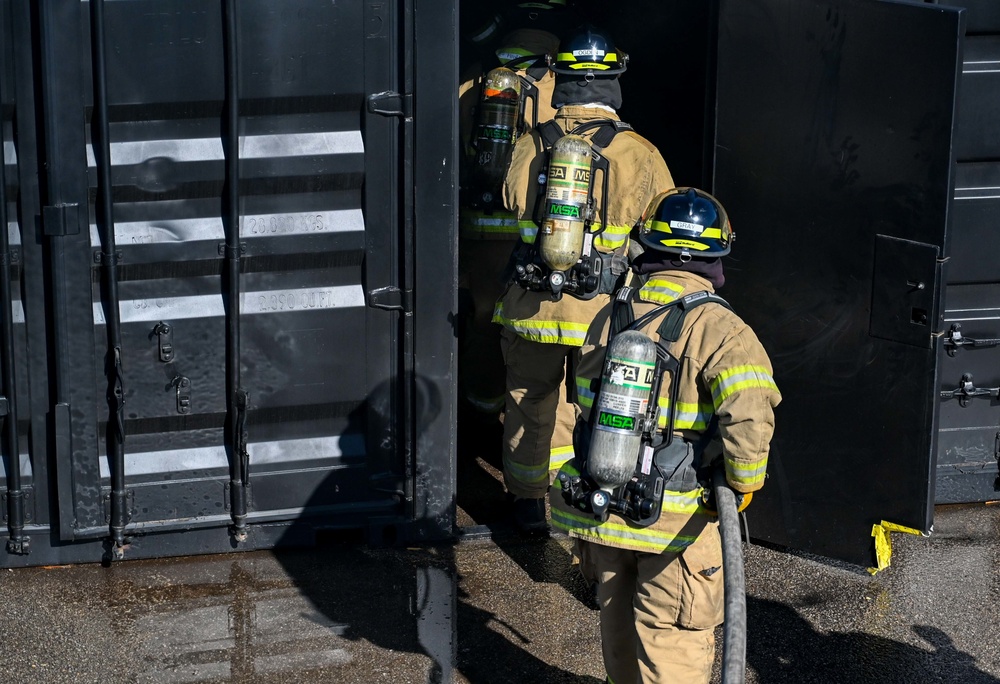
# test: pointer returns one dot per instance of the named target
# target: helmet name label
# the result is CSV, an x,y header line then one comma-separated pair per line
x,y
686,225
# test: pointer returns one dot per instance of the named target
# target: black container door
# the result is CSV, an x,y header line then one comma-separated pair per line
x,y
318,227
833,154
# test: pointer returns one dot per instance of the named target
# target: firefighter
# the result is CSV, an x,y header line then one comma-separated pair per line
x,y
542,327
658,566
486,229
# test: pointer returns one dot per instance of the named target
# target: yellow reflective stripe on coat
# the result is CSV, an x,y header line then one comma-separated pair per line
x,y
685,503
528,230
731,381
612,238
746,473
477,222
584,395
660,291
689,416
560,456
545,332
586,527
529,475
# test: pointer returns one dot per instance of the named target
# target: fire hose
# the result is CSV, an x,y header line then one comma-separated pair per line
x,y
734,630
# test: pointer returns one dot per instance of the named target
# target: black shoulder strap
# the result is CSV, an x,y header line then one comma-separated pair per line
x,y
607,130
670,326
622,314
550,132
536,71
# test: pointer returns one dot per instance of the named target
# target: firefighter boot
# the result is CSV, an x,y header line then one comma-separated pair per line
x,y
529,516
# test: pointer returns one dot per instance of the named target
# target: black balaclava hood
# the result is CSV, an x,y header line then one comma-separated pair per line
x,y
656,262
575,89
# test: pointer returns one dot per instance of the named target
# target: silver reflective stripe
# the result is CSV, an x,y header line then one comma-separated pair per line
x,y
25,467
210,306
251,147
261,453
9,152
251,226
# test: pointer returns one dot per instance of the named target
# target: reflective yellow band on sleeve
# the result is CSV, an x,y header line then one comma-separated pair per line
x,y
749,474
739,378
612,238
545,332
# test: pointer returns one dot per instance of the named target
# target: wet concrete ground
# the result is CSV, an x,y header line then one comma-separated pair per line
x,y
491,608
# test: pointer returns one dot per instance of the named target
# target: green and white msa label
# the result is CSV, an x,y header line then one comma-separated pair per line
x,y
615,421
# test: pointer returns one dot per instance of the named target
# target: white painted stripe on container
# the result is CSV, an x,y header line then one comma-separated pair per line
x,y
210,306
177,231
261,453
251,147
25,467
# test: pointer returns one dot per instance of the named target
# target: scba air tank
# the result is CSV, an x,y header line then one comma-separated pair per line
x,y
567,203
622,403
496,130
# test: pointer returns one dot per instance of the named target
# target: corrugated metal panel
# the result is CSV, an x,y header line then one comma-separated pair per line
x,y
968,459
322,223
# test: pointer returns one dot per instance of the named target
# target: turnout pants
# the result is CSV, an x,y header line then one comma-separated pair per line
x,y
538,418
480,364
658,611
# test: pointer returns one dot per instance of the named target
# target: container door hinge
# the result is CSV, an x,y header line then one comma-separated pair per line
x,y
129,506
966,390
391,104
391,299
26,497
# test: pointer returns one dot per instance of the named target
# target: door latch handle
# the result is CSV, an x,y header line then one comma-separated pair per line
x,y
165,336
182,385
956,340
966,390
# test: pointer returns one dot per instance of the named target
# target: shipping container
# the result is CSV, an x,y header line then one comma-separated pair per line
x,y
229,272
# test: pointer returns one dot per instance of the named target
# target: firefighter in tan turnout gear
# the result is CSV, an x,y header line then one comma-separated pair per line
x,y
497,104
672,384
598,177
